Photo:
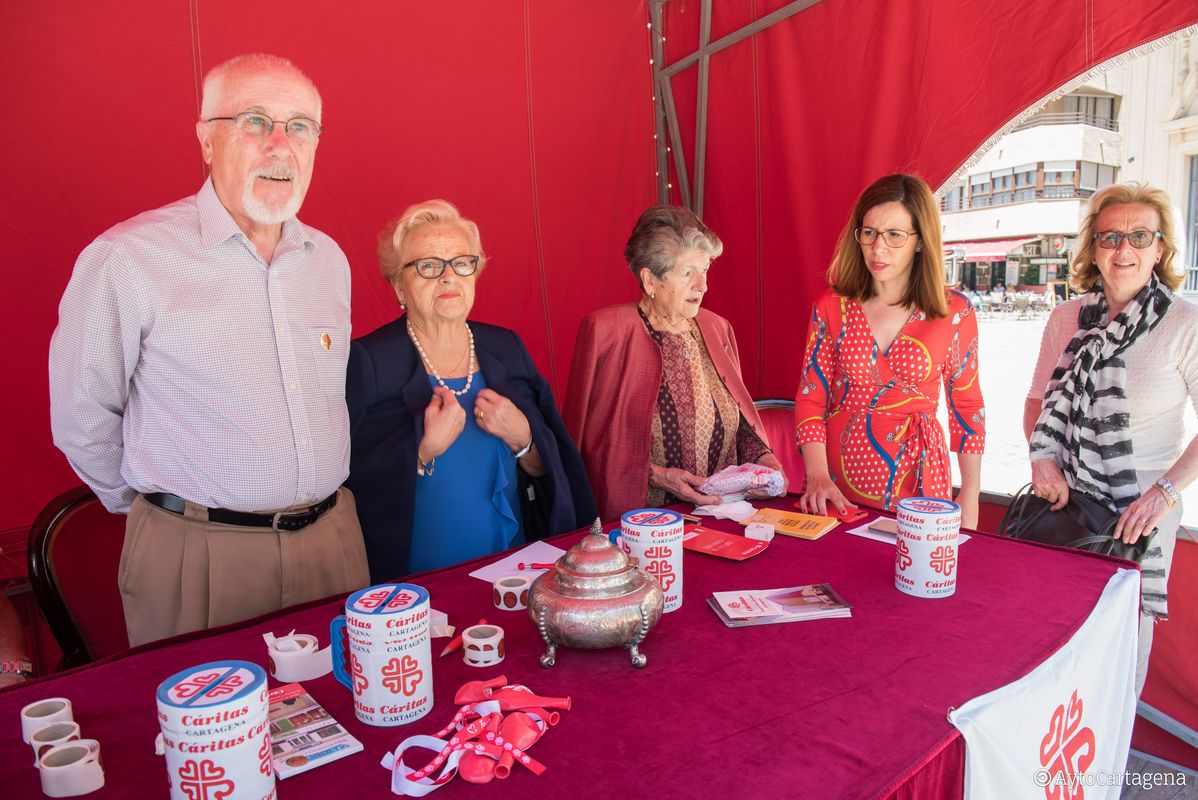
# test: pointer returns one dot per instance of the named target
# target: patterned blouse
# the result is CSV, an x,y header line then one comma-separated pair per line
x,y
695,413
875,409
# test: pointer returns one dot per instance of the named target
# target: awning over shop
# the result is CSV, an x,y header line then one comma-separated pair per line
x,y
996,250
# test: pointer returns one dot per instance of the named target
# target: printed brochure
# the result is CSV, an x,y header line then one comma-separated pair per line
x,y
303,734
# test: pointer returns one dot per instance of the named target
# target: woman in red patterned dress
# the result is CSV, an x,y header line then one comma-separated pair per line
x,y
880,343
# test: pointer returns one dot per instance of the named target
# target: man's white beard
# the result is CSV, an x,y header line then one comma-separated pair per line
x,y
271,213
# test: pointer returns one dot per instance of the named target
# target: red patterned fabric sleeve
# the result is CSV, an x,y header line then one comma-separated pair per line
x,y
962,390
820,362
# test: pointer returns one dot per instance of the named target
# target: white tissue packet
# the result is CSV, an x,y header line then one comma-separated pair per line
x,y
742,509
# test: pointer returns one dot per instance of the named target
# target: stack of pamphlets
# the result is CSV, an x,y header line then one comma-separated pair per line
x,y
303,734
794,523
769,606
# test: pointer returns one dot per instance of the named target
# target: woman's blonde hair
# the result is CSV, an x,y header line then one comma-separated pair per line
x,y
1083,273
850,277
430,212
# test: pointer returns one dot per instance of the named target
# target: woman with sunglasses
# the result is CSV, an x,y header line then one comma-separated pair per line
x,y
457,450
880,344
1117,367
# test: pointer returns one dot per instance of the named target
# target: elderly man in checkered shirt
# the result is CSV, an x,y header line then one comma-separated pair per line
x,y
197,374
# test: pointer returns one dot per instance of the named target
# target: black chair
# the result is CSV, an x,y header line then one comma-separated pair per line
x,y
74,554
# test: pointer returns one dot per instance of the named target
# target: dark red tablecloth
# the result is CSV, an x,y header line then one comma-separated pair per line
x,y
836,708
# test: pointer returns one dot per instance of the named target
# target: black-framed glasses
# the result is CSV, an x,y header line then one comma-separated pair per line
x,y
891,238
302,129
432,267
1139,238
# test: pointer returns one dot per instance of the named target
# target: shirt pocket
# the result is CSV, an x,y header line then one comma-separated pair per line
x,y
329,345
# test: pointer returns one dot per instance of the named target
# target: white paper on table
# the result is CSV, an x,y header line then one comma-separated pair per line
x,y
438,624
537,552
741,509
864,532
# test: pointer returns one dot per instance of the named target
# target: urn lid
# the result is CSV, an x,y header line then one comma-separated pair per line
x,y
596,567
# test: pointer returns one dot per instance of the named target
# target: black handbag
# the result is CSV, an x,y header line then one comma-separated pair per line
x,y
1083,524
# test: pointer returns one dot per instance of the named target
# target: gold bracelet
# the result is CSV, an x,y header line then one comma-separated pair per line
x,y
1169,501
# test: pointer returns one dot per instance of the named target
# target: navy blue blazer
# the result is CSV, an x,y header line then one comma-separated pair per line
x,y
387,390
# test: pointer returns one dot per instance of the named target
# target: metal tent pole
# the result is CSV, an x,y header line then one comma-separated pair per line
x,y
659,125
665,118
788,10
701,108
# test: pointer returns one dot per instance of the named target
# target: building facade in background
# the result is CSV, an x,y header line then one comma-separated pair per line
x,y
1011,220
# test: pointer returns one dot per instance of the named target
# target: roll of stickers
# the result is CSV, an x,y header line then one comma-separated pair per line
x,y
71,769
482,645
382,653
652,538
297,657
215,732
511,592
925,556
53,734
41,713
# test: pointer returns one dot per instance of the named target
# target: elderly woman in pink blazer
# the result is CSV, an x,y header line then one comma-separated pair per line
x,y
656,401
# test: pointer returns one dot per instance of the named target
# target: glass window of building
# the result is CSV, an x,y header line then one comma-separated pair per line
x,y
954,199
1058,178
979,190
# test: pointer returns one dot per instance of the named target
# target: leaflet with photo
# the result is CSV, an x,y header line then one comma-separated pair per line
x,y
770,606
303,734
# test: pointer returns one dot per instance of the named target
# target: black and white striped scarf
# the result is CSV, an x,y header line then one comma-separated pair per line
x,y
1084,420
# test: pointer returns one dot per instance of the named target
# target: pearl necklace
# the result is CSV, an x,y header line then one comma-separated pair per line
x,y
428,363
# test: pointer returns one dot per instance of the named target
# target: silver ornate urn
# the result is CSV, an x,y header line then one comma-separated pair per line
x,y
595,598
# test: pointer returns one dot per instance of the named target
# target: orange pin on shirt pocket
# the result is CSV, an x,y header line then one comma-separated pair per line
x,y
329,345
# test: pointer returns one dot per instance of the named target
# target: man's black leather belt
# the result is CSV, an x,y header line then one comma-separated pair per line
x,y
280,521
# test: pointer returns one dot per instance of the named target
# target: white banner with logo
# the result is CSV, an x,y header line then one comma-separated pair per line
x,y
1062,731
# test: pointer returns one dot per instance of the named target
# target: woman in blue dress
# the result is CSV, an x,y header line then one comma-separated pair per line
x,y
457,448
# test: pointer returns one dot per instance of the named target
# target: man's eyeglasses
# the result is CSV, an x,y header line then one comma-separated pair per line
x,y
302,129
1139,239
433,267
891,238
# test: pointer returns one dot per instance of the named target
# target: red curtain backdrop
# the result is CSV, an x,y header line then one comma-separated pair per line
x,y
533,116
805,115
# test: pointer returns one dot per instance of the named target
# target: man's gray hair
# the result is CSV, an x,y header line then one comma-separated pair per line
x,y
664,232
214,81
430,212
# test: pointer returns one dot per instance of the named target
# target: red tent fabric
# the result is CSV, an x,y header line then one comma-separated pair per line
x,y
1173,666
804,115
532,116
535,117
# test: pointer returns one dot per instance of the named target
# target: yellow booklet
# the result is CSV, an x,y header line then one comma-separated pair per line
x,y
794,523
